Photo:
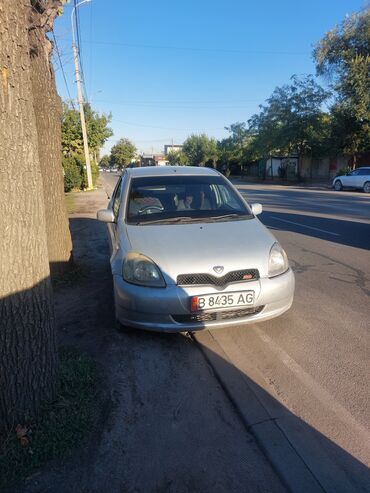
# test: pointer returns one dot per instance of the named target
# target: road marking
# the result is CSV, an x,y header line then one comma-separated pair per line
x,y
304,226
318,391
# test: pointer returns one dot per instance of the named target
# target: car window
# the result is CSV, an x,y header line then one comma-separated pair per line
x,y
116,200
365,172
354,173
170,197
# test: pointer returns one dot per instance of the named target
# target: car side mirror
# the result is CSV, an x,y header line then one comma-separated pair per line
x,y
256,209
105,215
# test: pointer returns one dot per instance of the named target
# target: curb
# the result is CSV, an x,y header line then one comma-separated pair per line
x,y
288,464
313,186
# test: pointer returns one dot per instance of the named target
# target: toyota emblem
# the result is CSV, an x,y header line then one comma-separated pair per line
x,y
218,269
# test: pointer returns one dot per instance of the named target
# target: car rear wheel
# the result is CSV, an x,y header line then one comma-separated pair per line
x,y
338,186
366,187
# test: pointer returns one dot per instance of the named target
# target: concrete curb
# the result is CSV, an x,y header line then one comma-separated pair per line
x,y
288,464
318,186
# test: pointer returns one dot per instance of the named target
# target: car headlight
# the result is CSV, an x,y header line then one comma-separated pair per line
x,y
278,261
141,270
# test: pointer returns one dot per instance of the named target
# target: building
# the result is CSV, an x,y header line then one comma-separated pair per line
x,y
153,160
172,148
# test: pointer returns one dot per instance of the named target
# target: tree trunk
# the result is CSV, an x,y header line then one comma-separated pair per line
x,y
28,351
48,111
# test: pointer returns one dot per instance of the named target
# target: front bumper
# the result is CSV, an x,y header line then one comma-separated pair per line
x,y
158,309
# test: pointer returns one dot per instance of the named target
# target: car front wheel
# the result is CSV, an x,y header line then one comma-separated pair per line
x,y
338,186
366,187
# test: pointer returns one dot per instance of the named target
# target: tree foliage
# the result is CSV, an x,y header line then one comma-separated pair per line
x,y
122,154
177,158
97,130
292,121
200,150
105,161
343,57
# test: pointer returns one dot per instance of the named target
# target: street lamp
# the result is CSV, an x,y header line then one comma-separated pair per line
x,y
80,99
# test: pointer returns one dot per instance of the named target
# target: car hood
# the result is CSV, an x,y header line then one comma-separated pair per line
x,y
197,248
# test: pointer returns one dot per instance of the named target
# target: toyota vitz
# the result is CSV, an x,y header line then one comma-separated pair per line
x,y
187,253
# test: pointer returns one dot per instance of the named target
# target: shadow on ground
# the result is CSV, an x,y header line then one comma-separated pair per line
x,y
168,420
350,233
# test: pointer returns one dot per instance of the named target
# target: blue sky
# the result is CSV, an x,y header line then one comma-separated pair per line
x,y
167,69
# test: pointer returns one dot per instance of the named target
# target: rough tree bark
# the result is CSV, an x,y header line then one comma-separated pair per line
x,y
28,351
48,111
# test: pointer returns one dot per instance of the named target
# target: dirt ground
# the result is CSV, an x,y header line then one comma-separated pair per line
x,y
165,424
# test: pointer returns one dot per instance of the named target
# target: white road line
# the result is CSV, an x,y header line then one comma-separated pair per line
x,y
318,391
304,226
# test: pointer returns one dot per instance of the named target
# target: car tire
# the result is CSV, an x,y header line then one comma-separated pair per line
x,y
366,187
338,186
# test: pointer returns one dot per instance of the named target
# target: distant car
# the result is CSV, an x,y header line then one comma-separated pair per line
x,y
358,178
187,253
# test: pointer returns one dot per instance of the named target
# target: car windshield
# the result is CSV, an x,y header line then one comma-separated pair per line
x,y
181,199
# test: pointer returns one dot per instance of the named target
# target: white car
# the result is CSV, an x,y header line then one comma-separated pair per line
x,y
358,178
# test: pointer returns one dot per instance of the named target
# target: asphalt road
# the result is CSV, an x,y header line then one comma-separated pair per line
x,y
310,367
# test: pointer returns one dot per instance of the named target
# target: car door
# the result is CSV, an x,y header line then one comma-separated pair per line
x,y
363,176
351,179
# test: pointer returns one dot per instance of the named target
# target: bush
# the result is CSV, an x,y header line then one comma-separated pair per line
x,y
75,176
72,173
94,171
343,171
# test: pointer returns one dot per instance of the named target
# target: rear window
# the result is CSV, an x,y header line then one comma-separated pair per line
x,y
171,198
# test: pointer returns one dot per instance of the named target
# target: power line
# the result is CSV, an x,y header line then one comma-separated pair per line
x,y
166,128
169,105
200,49
61,66
166,139
79,46
90,52
181,101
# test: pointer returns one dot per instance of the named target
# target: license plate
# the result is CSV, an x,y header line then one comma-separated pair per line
x,y
225,300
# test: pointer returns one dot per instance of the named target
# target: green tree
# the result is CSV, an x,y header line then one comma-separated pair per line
x,y
200,150
105,162
72,144
292,121
236,149
343,58
122,153
177,158
97,129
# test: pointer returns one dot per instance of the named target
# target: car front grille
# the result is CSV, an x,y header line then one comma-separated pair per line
x,y
210,280
216,316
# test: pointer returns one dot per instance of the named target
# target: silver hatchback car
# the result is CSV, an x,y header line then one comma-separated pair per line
x,y
188,253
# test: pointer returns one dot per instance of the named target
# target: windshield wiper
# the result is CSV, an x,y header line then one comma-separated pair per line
x,y
171,220
230,216
189,220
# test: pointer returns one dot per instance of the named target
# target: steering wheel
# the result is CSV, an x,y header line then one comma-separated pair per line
x,y
150,209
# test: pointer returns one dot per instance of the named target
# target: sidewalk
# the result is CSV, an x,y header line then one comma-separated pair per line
x,y
250,180
165,424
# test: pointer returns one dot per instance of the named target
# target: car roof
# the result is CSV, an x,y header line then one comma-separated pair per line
x,y
170,170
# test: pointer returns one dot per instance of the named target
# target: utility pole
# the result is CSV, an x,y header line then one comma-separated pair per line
x,y
80,101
